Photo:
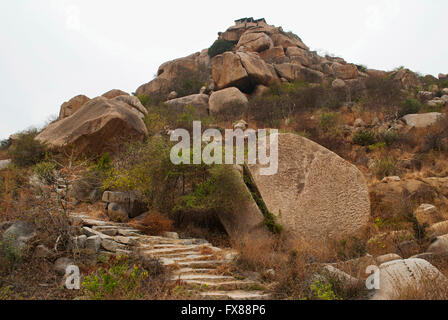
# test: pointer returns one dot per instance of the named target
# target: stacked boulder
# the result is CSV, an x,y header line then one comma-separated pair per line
x,y
122,206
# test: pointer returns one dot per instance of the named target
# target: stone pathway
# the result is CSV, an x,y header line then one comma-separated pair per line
x,y
196,265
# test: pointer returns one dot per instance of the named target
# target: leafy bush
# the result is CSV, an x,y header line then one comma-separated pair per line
x,y
220,46
88,186
389,137
123,278
26,151
364,138
45,170
410,106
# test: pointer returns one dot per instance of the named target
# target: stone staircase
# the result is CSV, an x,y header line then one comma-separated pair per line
x,y
197,267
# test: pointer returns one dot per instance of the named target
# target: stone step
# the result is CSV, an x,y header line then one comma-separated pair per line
x,y
192,257
235,295
229,285
201,264
162,251
192,270
201,277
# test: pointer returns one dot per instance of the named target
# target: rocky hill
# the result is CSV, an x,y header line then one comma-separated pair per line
x,y
362,181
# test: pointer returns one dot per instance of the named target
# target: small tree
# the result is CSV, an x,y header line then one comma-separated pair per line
x,y
26,150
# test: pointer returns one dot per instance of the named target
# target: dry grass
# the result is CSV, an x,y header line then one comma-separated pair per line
x,y
153,224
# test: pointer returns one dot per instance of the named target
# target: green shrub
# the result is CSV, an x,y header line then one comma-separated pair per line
x,y
364,138
45,170
389,137
26,151
144,99
385,167
323,291
410,106
220,46
121,278
328,121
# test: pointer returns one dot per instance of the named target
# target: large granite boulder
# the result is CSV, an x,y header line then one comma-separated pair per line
x,y
247,219
255,42
297,72
228,71
422,120
345,71
400,275
73,105
286,42
199,101
226,99
257,70
315,193
96,127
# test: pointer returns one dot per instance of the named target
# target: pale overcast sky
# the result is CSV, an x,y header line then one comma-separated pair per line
x,y
53,50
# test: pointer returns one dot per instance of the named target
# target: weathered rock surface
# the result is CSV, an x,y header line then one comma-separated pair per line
x,y
255,42
95,126
199,101
387,258
439,245
120,206
315,193
19,234
73,105
61,264
422,120
427,214
114,93
226,99
257,70
227,71
396,276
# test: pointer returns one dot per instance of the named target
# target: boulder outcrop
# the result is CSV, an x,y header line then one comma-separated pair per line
x,y
226,99
95,126
315,193
73,105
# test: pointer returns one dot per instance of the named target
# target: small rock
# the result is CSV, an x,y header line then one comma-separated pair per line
x,y
117,213
79,242
111,245
391,179
172,95
241,124
171,235
387,258
19,234
439,245
439,229
427,214
93,243
61,265
338,83
4,164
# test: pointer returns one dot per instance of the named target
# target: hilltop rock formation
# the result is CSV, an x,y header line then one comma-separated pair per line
x,y
97,125
315,193
73,105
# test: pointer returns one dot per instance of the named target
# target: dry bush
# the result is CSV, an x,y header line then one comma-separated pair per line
x,y
259,254
432,288
154,224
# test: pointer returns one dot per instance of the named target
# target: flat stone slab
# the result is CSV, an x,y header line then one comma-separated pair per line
x,y
236,295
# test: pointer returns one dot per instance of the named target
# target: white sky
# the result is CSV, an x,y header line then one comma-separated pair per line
x,y
53,50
